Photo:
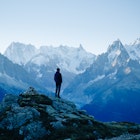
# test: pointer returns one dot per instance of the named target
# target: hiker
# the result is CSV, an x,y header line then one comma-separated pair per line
x,y
58,81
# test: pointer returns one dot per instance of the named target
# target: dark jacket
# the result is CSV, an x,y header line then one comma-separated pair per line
x,y
58,77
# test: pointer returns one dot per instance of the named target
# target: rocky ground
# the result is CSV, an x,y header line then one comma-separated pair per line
x,y
34,116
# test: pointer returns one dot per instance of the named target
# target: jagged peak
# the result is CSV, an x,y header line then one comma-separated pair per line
x,y
81,47
117,54
19,44
118,41
20,53
116,45
137,42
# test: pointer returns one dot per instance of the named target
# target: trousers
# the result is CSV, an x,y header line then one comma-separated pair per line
x,y
57,91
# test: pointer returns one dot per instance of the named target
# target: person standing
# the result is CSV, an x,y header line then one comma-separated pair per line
x,y
58,81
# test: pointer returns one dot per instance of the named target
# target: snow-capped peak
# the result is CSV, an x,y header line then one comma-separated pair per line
x,y
81,47
71,59
117,54
134,49
117,45
20,53
137,42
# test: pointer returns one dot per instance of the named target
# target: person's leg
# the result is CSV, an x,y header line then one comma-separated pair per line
x,y
56,90
59,87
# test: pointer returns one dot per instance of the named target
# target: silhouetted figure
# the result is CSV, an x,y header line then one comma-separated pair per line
x,y
58,81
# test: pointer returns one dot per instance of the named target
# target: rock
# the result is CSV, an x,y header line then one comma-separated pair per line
x,y
61,104
8,100
18,116
33,116
34,130
31,91
126,137
57,125
50,110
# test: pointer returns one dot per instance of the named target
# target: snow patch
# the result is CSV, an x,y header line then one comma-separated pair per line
x,y
118,52
113,56
128,60
99,77
39,75
40,60
114,63
112,75
127,70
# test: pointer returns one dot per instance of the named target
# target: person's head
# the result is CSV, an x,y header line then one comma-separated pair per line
x,y
58,69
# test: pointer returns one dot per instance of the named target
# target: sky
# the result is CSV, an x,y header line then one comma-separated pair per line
x,y
93,23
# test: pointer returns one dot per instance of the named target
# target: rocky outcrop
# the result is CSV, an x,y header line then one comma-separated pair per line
x,y
34,116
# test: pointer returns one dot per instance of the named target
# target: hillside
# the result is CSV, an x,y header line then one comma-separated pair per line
x,y
34,116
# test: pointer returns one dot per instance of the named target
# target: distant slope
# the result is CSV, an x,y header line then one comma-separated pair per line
x,y
14,78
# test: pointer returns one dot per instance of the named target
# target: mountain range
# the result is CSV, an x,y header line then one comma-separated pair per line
x,y
110,88
42,63
107,85
24,65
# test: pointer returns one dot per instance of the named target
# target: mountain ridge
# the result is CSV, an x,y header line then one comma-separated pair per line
x,y
22,54
42,62
112,80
